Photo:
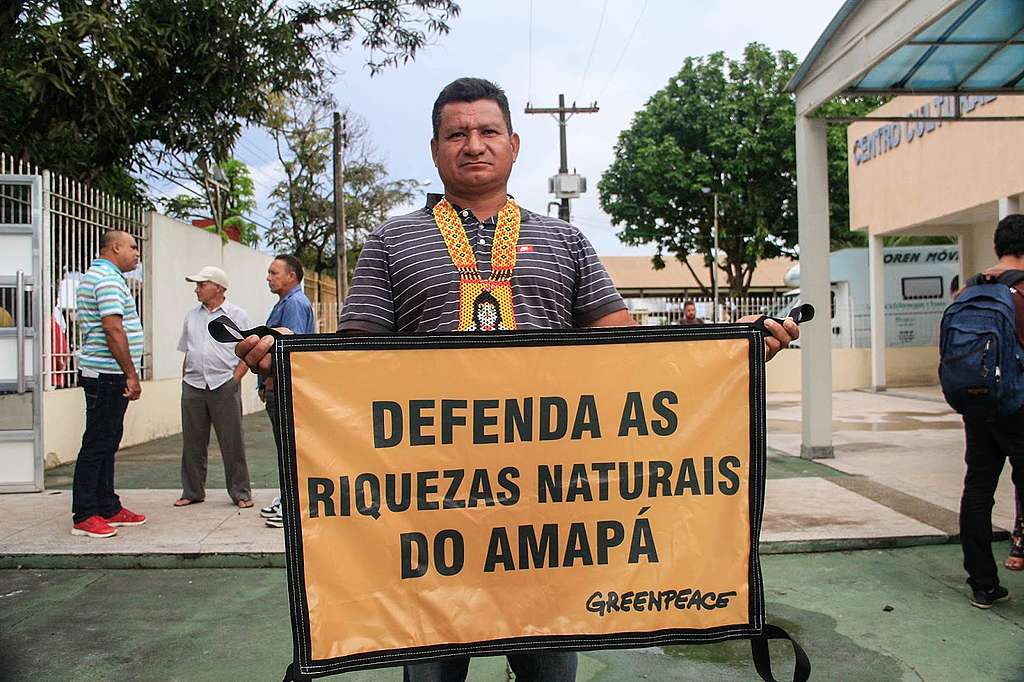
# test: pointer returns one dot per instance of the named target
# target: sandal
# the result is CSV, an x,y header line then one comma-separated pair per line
x,y
244,504
184,502
1014,563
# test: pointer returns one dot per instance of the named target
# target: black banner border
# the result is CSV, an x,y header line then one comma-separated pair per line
x,y
288,472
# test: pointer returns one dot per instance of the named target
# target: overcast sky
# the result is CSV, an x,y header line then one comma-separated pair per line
x,y
617,52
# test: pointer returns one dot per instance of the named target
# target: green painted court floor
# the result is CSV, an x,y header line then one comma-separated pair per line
x,y
233,624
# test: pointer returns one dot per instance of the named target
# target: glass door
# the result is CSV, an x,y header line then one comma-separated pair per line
x,y
21,462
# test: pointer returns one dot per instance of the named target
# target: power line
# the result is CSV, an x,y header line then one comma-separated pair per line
x,y
260,156
270,179
625,47
200,196
529,86
593,47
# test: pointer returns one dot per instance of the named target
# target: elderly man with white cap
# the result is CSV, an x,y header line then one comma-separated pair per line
x,y
210,394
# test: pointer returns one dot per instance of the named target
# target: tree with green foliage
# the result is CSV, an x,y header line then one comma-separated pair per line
x,y
303,202
726,125
100,90
721,124
227,198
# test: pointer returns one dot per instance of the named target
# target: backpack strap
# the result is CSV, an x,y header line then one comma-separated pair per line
x,y
763,661
1015,280
292,674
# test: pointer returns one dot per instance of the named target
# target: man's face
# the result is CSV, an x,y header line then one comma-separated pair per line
x,y
125,253
473,151
280,278
207,292
690,312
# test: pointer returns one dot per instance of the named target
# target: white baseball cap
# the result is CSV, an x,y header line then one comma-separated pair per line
x,y
210,273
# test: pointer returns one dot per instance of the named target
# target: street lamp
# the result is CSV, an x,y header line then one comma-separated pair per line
x,y
714,258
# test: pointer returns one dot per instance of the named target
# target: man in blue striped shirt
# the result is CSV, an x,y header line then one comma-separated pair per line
x,y
108,365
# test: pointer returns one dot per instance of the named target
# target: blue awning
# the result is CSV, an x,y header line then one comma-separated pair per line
x,y
976,46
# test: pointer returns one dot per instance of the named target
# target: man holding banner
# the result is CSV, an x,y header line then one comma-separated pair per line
x,y
473,260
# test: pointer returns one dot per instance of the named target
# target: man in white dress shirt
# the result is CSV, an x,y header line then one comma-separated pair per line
x,y
210,394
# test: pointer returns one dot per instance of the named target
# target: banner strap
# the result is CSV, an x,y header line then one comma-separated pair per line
x,y
763,660
292,675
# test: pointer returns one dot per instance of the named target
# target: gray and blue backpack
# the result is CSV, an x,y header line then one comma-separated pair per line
x,y
981,365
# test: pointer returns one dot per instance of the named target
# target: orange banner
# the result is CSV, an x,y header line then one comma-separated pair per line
x,y
482,494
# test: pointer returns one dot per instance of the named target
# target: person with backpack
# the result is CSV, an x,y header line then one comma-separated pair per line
x,y
982,375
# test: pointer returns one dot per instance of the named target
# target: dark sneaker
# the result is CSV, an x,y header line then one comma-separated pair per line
x,y
94,527
126,518
276,521
273,510
984,599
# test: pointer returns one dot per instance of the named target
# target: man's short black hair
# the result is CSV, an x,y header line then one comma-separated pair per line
x,y
1009,237
293,263
688,302
471,90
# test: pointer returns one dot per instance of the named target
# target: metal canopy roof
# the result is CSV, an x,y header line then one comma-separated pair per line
x,y
915,47
978,45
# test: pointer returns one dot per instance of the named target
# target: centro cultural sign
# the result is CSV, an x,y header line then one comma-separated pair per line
x,y
887,137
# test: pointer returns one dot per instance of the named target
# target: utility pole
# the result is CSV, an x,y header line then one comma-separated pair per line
x,y
714,257
714,266
215,187
340,248
564,186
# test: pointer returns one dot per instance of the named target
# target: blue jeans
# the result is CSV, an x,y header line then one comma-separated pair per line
x,y
93,487
529,666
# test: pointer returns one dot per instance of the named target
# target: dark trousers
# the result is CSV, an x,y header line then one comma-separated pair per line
x,y
530,666
93,488
221,407
272,414
989,443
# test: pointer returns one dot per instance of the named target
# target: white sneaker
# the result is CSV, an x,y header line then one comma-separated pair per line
x,y
273,510
276,521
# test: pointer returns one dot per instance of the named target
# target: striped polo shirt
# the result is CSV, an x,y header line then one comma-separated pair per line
x,y
405,280
103,291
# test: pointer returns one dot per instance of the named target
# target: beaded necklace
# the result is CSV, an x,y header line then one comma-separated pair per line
x,y
484,304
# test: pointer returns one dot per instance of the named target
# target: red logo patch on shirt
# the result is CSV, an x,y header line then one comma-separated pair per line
x,y
524,248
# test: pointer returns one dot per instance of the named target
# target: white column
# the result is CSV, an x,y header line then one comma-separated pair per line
x,y
1009,206
816,335
876,280
965,242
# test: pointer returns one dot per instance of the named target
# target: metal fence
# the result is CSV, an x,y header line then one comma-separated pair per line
x,y
654,311
322,292
648,311
75,216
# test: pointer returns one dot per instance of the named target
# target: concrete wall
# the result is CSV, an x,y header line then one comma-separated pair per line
x,y
938,176
851,368
178,250
981,252
175,249
155,415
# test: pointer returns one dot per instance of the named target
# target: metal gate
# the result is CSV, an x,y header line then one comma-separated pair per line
x,y
21,275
